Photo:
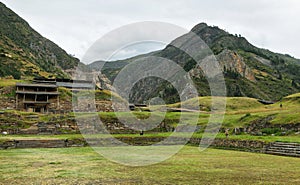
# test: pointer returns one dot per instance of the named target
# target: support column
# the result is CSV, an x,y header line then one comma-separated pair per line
x,y
17,101
24,103
57,101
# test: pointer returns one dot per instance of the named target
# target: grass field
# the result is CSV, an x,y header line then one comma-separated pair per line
x,y
189,166
243,110
240,111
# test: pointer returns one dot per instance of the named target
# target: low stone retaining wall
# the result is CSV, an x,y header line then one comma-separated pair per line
x,y
33,143
40,143
246,145
7,144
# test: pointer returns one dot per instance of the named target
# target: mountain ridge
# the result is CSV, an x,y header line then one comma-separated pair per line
x,y
249,71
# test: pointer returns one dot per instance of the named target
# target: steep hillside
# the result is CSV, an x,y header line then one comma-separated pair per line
x,y
24,53
249,71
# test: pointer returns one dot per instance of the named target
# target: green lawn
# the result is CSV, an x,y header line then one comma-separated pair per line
x,y
189,166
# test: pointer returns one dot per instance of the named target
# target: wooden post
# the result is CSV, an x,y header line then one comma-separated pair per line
x,y
17,101
57,101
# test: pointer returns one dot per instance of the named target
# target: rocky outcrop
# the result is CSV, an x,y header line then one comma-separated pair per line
x,y
228,61
105,83
232,61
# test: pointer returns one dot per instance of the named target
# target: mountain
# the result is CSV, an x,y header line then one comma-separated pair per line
x,y
249,71
24,53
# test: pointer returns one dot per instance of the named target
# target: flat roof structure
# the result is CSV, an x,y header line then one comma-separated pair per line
x,y
35,85
37,92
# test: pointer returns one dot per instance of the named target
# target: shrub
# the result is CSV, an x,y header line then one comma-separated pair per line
x,y
246,115
270,131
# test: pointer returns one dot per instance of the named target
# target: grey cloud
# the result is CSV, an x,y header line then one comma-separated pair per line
x,y
77,24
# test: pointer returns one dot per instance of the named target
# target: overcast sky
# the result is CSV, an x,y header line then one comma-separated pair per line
x,y
76,24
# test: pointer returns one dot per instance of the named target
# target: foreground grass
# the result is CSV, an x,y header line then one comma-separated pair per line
x,y
189,166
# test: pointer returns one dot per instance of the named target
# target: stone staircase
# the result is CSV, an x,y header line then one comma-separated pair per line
x,y
285,149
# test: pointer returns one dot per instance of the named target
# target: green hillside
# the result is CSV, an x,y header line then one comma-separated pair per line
x,y
24,53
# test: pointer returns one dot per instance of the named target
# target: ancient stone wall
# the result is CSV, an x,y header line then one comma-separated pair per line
x,y
7,98
7,103
246,145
